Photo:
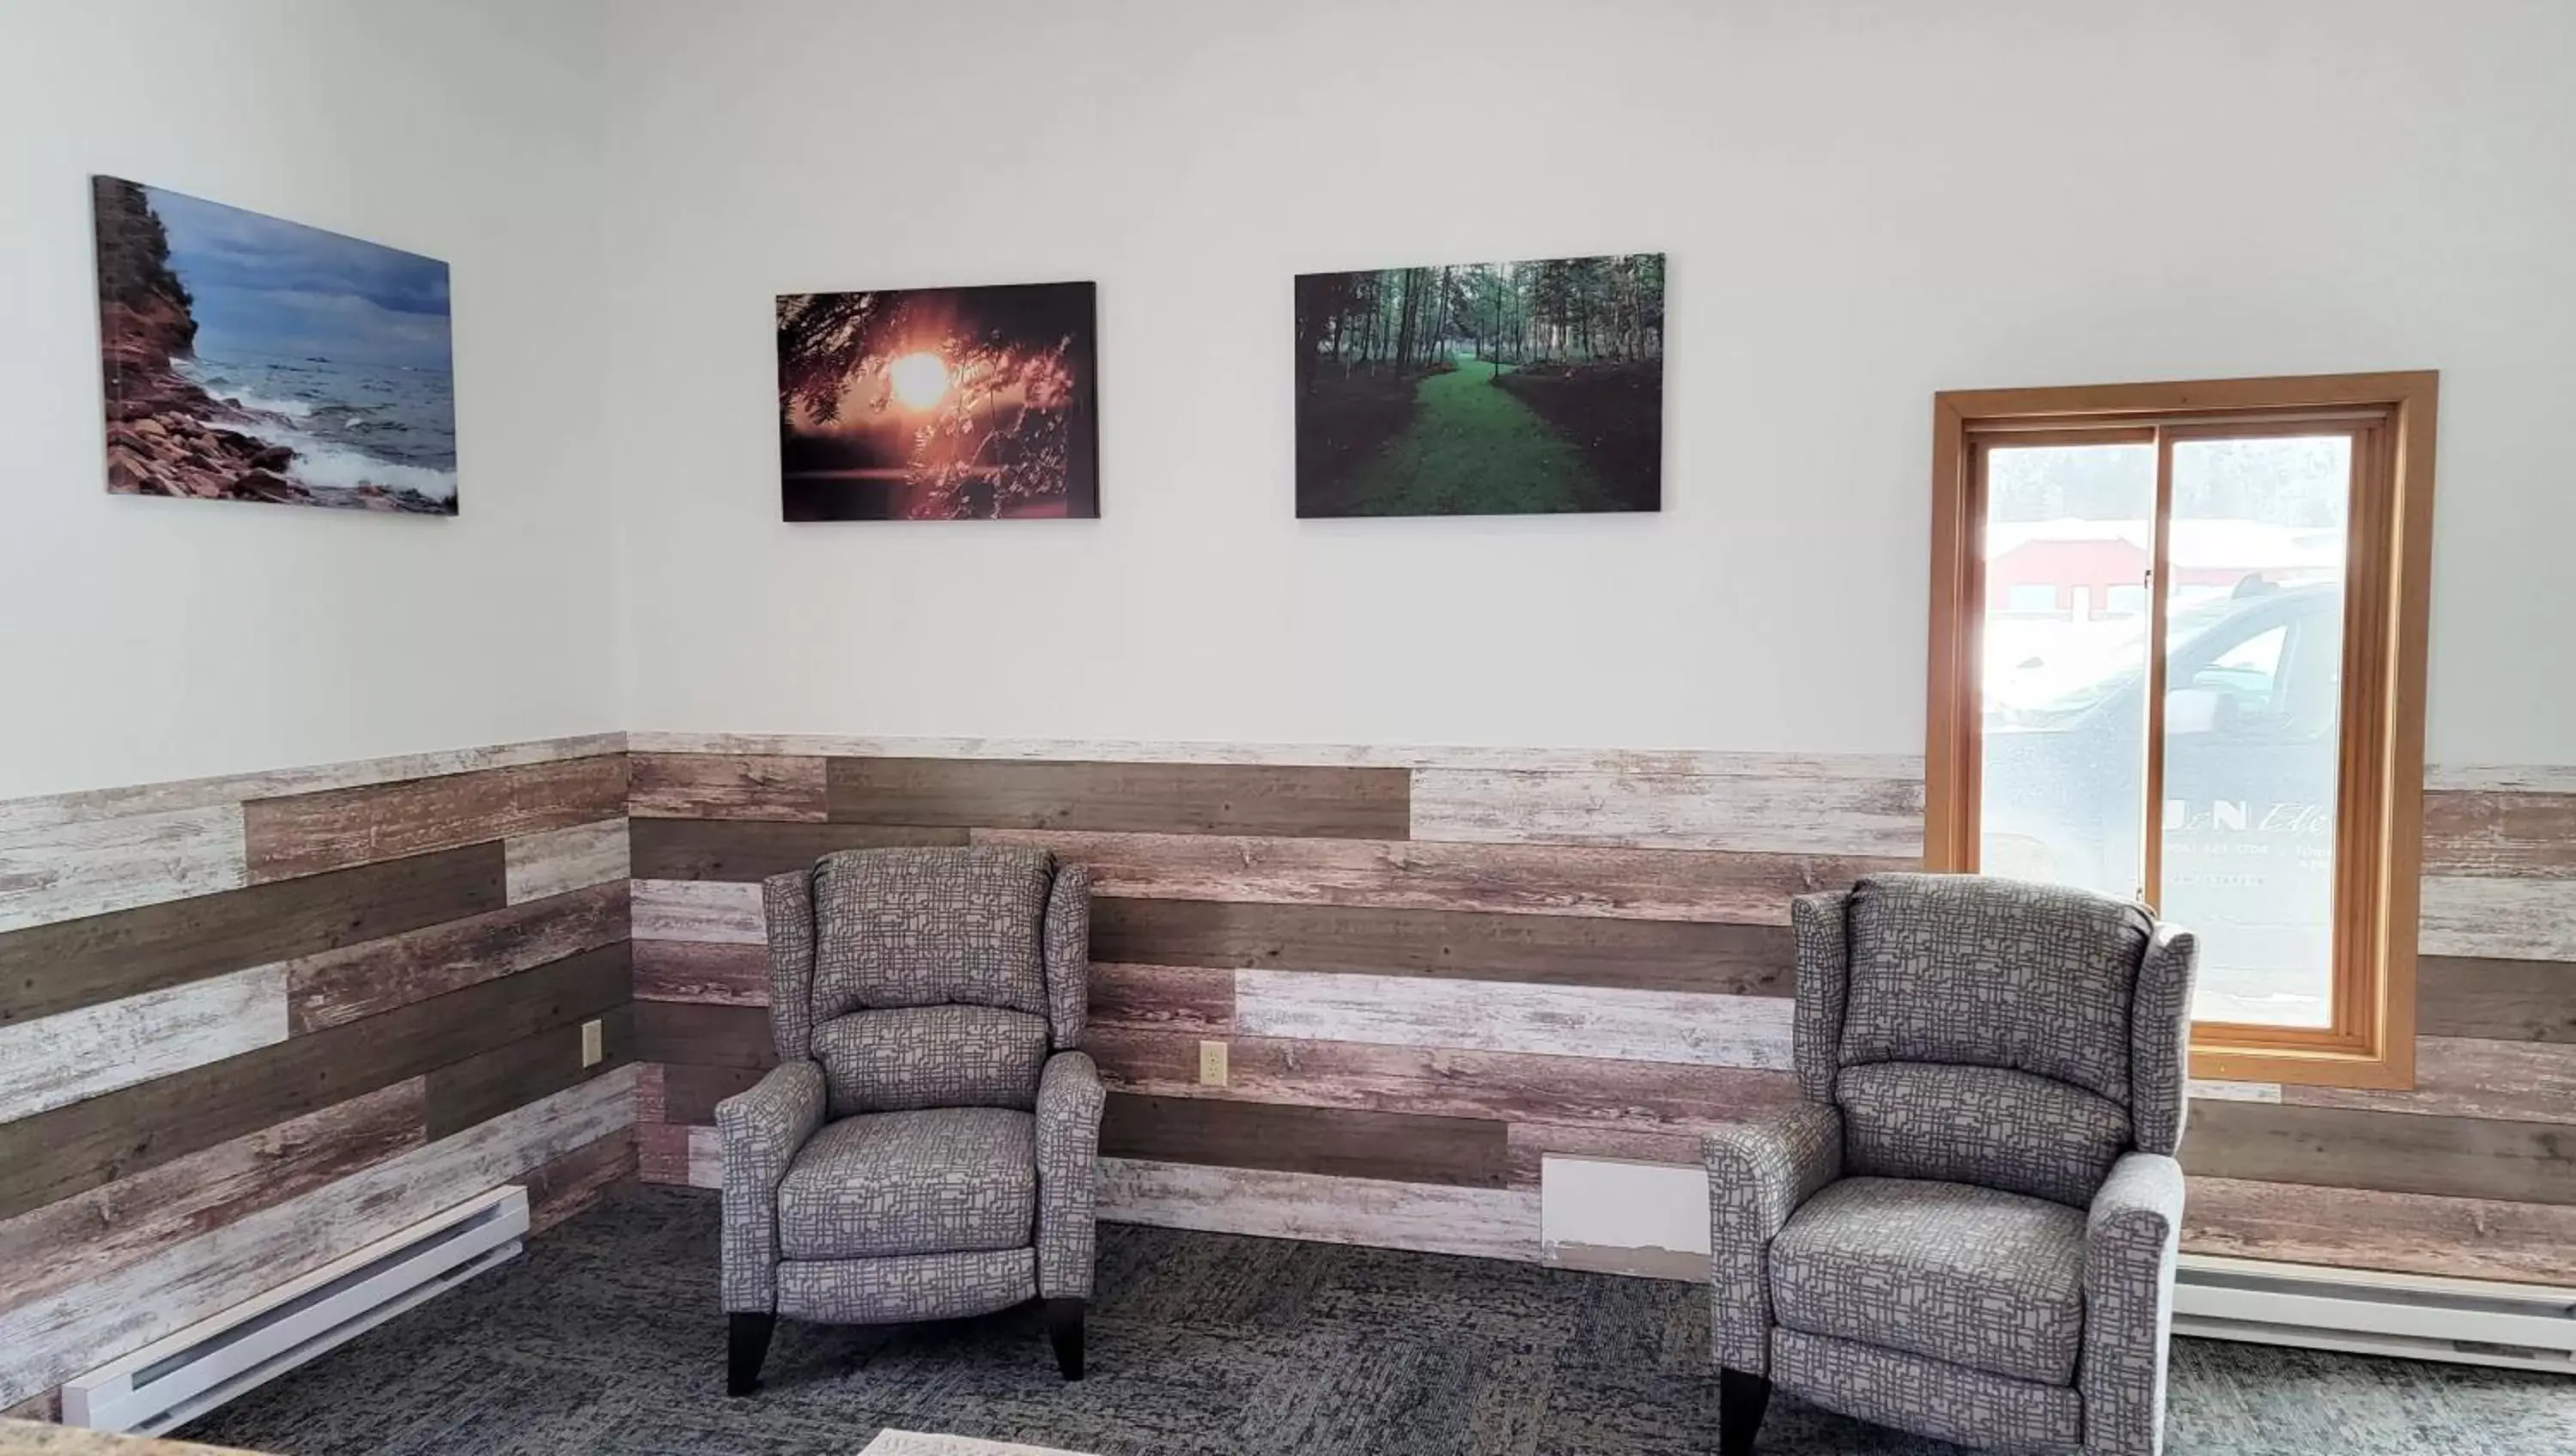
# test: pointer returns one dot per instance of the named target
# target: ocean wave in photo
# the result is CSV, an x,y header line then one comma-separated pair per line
x,y
349,425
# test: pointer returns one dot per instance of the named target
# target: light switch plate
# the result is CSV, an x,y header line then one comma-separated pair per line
x,y
591,1050
1211,1064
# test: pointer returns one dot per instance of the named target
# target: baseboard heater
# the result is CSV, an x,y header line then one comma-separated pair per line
x,y
175,1380
2421,1317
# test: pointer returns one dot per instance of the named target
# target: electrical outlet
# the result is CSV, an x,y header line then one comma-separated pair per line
x,y
591,1050
1211,1064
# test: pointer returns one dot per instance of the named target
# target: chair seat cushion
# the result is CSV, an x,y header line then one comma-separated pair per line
x,y
940,1181
1972,1276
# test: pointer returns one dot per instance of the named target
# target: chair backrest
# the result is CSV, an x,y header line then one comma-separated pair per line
x,y
929,977
2012,1035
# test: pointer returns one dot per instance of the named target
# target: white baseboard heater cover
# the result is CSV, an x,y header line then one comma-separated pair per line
x,y
174,1380
2420,1317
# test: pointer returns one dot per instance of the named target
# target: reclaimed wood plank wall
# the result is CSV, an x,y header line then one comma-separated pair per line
x,y
1435,968
248,1024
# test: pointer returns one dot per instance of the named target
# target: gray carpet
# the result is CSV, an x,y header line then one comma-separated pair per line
x,y
604,1337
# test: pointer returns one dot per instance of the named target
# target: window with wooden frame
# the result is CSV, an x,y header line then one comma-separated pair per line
x,y
2178,653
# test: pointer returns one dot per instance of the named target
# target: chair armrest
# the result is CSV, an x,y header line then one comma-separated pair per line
x,y
760,1130
1068,1135
1759,1171
2131,1235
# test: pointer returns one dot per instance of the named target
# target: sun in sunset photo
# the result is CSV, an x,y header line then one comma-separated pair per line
x,y
938,404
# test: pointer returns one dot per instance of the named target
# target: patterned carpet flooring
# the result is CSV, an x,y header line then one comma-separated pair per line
x,y
604,1337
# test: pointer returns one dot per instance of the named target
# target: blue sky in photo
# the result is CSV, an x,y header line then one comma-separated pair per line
x,y
265,286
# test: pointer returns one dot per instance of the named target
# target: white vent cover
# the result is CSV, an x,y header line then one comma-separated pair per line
x,y
2475,1321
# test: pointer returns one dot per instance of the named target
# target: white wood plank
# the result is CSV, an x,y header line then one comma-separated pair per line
x,y
66,871
1574,1021
706,1158
45,1341
60,1059
1630,1216
554,861
1493,1223
1314,755
2510,778
1756,812
712,911
2508,919
88,805
2208,1090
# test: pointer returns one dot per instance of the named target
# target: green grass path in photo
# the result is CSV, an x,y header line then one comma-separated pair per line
x,y
1473,449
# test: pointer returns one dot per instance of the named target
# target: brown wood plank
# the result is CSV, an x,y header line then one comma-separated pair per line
x,y
72,1149
562,1187
2518,1081
1521,879
487,1084
690,1093
2392,1152
1517,1087
1570,950
74,1240
2506,1000
1532,1142
677,1034
378,975
75,963
1160,798
1169,998
725,786
2481,833
2408,1233
662,1153
702,971
1456,1151
306,834
755,849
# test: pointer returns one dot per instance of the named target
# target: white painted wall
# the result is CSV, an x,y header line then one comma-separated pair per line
x,y
1863,203
151,639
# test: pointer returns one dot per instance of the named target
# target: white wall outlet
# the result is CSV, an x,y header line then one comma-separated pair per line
x,y
1211,1064
592,1052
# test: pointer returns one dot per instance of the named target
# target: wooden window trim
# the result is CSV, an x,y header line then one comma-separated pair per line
x,y
2388,602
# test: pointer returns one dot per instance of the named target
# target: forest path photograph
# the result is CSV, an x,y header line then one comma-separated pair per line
x,y
1473,447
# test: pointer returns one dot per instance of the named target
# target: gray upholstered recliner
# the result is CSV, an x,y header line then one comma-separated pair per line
x,y
1966,1226
925,1147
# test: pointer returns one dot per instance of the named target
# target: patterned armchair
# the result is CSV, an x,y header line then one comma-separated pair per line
x,y
1966,1225
924,1148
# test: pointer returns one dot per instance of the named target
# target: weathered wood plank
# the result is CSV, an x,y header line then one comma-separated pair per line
x,y
2408,1233
726,786
1531,1143
1151,798
2500,778
1756,813
1513,1087
690,1093
1194,999
2517,1081
73,1149
662,1154
1464,1152
2508,834
2219,1091
74,1240
46,1340
754,849
573,1183
2513,919
1631,884
1492,1223
708,972
85,806
2508,1000
97,1049
57,968
68,871
706,1158
1574,1021
649,1098
674,1034
344,985
1571,950
556,861
305,834
1343,755
488,1084
2392,1152
707,911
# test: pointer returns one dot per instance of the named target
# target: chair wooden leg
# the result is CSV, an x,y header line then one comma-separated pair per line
x,y
1741,1399
1064,1331
746,1345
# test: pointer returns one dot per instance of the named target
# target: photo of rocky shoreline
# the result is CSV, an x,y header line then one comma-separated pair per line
x,y
249,358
